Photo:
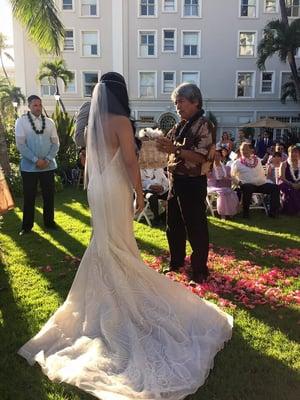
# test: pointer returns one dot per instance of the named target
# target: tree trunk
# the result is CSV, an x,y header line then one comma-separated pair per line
x,y
283,11
291,56
4,70
60,100
4,160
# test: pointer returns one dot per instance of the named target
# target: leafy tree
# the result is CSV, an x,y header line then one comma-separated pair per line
x,y
8,95
55,70
3,47
41,21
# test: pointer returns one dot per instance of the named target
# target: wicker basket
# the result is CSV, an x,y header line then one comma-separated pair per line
x,y
150,156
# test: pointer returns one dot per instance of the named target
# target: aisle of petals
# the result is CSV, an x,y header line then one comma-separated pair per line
x,y
233,281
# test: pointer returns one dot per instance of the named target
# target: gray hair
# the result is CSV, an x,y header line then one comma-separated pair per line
x,y
189,91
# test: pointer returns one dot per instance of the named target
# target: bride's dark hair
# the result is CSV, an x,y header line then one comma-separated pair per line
x,y
117,95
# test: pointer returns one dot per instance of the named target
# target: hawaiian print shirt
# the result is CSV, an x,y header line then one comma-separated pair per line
x,y
198,138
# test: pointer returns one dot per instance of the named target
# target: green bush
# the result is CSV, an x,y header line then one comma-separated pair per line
x,y
16,184
65,125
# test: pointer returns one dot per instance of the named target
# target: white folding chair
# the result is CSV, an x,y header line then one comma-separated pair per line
x,y
145,213
211,201
258,202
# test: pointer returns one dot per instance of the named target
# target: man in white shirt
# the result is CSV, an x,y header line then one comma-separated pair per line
x,y
155,187
38,143
248,172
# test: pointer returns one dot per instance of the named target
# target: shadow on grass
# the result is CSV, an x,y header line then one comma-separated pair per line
x,y
75,214
246,241
243,373
14,378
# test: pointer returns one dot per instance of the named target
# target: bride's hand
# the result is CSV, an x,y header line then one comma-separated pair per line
x,y
139,203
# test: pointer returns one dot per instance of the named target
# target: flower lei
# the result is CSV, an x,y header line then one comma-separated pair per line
x,y
249,162
37,131
216,169
292,170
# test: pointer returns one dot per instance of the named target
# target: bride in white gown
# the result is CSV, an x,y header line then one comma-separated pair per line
x,y
124,332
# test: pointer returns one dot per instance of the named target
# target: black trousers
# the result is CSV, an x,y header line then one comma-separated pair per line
x,y
30,182
153,201
186,218
268,188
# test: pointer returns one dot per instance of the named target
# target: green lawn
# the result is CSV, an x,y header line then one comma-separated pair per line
x,y
261,362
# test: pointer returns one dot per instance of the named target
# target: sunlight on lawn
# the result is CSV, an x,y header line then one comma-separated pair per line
x,y
251,228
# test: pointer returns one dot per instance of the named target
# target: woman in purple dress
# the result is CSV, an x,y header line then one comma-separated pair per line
x,y
219,182
290,182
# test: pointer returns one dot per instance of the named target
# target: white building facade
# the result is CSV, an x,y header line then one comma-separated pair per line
x,y
157,44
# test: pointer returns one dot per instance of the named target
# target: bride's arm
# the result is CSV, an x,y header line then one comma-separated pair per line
x,y
126,141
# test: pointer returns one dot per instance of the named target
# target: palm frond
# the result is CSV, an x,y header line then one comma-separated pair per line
x,y
41,21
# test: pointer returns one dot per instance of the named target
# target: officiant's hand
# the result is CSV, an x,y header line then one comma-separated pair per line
x,y
165,145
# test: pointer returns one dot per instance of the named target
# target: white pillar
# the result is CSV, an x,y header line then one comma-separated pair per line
x,y
117,36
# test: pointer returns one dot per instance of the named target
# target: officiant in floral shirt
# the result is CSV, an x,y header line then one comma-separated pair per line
x,y
190,145
38,143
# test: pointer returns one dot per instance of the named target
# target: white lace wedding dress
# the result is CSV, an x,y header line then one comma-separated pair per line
x,y
126,332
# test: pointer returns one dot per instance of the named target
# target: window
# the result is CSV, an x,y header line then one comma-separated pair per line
x,y
271,6
190,77
293,8
169,6
89,8
147,84
67,5
69,40
71,87
48,87
248,8
168,81
147,46
245,84
148,8
267,82
90,79
285,78
191,8
166,122
169,40
247,44
191,44
90,46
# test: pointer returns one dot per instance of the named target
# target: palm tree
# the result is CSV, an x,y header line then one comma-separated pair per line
x,y
283,39
8,95
3,47
55,70
41,21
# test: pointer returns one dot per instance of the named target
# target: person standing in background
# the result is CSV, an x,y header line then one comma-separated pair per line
x,y
38,144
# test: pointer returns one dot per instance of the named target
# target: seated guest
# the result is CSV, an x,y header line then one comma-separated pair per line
x,y
290,182
155,187
225,155
279,148
269,154
241,138
81,158
225,142
273,168
262,143
250,175
219,181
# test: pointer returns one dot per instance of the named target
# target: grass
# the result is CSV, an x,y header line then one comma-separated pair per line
x,y
261,361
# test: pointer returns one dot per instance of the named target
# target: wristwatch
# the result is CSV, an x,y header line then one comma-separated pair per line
x,y
178,151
